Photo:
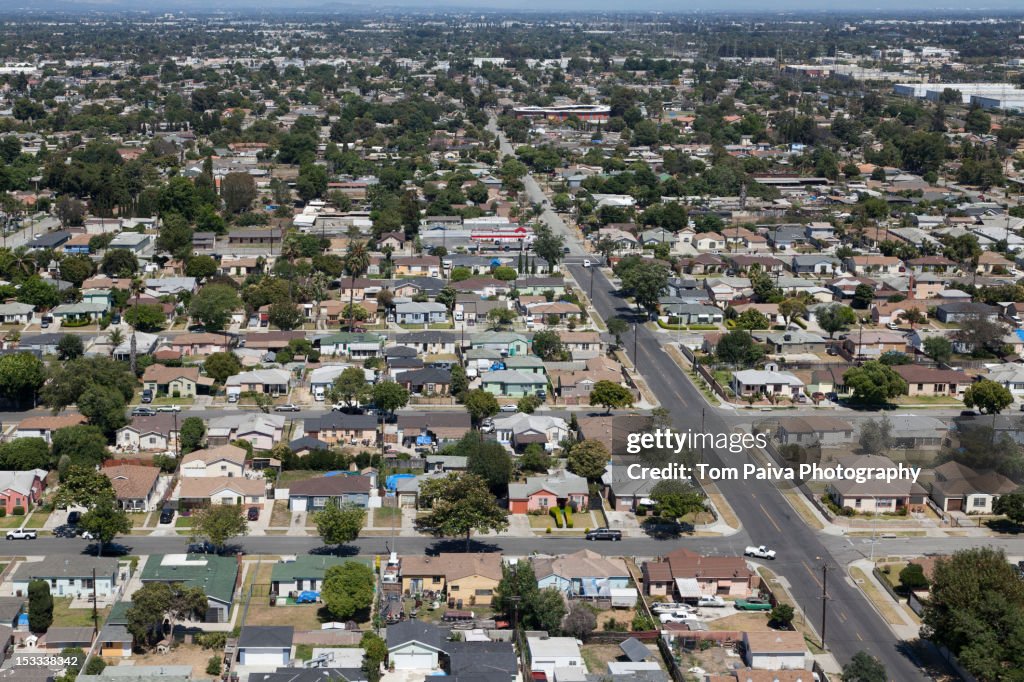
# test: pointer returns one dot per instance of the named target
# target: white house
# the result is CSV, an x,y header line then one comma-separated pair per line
x,y
550,653
767,382
522,429
322,378
16,313
775,650
272,381
414,645
1010,375
69,575
265,645
411,312
224,460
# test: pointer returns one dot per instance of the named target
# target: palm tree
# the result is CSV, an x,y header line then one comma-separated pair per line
x,y
136,289
24,263
357,262
115,338
913,316
387,251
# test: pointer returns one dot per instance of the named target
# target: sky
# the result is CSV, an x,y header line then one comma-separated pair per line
x,y
682,6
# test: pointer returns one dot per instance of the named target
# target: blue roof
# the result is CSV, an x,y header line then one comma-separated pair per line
x,y
423,440
1020,334
392,481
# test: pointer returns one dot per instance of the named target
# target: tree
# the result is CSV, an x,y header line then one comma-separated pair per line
x,y
486,459
175,236
501,317
781,616
912,578
83,486
70,347
516,592
504,273
738,348
213,304
863,295
119,263
645,281
68,383
284,315
588,458
105,521
349,387
547,345
145,617
192,433
676,498
219,523
617,327
40,606
792,307
981,335
35,291
913,317
337,525
548,245
356,263
83,444
201,266
751,319
978,121
238,191
580,621
220,366
874,383
103,407
148,317
348,589
480,404
875,436
70,211
611,395
988,396
312,181
864,667
1011,505
835,318
548,609
460,382
390,396
23,454
76,269
459,506
974,610
939,349
375,650
528,404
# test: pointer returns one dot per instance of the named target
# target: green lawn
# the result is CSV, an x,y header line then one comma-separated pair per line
x,y
386,517
183,522
12,521
38,518
65,616
293,475
167,400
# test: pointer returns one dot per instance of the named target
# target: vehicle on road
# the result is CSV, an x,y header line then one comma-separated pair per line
x,y
204,547
752,604
86,535
586,262
21,534
760,552
169,408
253,514
166,515
604,534
711,600
509,408
287,407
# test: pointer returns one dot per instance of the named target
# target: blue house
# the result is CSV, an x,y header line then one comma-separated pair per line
x,y
583,573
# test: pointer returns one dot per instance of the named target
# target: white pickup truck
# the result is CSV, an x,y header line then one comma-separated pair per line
x,y
21,534
760,552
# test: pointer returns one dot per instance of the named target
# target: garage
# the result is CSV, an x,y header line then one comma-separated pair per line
x,y
265,645
414,645
413,660
298,504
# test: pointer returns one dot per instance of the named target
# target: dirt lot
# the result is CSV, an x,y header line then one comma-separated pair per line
x,y
301,616
183,654
742,622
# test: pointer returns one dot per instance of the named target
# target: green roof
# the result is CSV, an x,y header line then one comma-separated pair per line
x,y
215,575
307,566
118,613
352,337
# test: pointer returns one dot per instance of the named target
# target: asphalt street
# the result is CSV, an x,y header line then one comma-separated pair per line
x,y
852,624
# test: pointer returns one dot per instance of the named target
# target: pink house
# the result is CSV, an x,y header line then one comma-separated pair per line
x,y
545,492
21,489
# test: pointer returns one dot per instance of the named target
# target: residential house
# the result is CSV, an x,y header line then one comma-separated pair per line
x,y
581,574
438,426
815,264
959,488
265,645
69,576
537,286
775,650
582,345
290,576
548,654
508,343
412,266
271,381
961,311
512,384
540,313
1010,375
918,432
483,287
520,430
194,493
765,382
703,264
541,493
689,313
874,495
792,342
411,312
262,431
885,312
742,263
467,579
135,486
199,343
933,264
44,426
709,241
427,381
84,310
686,575
338,428
991,263
815,430
527,364
728,289
415,645
16,313
354,345
220,461
215,575
931,381
769,310
240,266
321,379
872,343
179,382
58,639
21,489
874,264
427,343
313,494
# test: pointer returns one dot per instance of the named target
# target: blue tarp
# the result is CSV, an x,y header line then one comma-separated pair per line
x,y
392,481
423,440
307,597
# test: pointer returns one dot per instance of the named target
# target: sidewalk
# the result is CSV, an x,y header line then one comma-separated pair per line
x,y
893,613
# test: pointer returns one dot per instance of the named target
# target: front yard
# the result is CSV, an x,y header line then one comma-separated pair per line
x,y
65,616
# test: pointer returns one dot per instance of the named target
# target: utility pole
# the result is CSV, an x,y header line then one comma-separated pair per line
x,y
592,268
824,600
636,359
95,613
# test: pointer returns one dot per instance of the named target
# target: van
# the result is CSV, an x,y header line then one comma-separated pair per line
x,y
232,397
147,395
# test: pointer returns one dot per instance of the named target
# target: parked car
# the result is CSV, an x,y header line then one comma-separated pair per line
x,y
143,411
169,408
760,552
86,535
253,514
666,606
21,534
147,395
201,548
711,600
752,604
604,534
166,515
287,407
674,617
509,408
73,517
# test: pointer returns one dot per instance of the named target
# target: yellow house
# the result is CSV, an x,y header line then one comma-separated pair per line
x,y
466,580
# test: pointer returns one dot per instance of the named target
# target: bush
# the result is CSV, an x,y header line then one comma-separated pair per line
x,y
556,514
3,512
18,511
213,666
96,666
568,517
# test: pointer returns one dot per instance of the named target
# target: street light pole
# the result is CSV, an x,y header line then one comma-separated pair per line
x,y
636,359
824,600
